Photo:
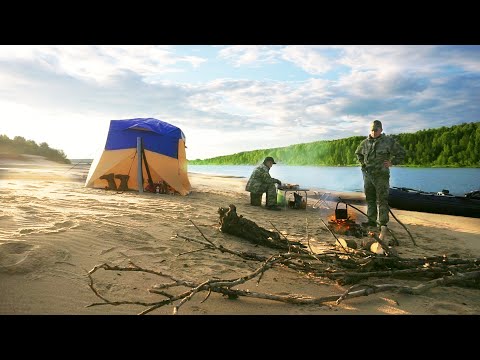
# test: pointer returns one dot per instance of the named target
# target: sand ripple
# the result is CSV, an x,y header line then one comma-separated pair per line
x,y
52,232
20,257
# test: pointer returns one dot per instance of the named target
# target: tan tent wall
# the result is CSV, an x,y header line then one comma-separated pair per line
x,y
125,162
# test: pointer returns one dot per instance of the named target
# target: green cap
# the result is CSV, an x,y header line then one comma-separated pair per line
x,y
375,125
269,158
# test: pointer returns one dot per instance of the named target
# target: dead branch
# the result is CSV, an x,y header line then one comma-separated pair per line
x,y
200,231
280,234
224,286
446,280
210,285
389,230
359,265
411,237
243,254
416,290
335,236
346,277
394,267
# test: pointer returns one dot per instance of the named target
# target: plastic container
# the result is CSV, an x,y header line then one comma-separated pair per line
x,y
281,198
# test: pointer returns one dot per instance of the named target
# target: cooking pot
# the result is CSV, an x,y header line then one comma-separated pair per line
x,y
341,214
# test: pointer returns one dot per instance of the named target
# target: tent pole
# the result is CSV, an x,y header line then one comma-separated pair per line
x,y
139,173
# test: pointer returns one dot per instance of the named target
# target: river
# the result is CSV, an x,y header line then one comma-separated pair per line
x,y
457,180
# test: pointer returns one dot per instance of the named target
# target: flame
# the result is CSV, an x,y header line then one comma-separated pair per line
x,y
344,226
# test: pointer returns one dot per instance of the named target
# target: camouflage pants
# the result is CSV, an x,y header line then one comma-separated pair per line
x,y
271,191
376,187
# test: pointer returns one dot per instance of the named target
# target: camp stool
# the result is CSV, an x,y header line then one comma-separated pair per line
x,y
123,182
322,200
111,182
256,199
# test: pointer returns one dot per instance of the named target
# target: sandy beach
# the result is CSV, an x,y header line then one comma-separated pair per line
x,y
53,230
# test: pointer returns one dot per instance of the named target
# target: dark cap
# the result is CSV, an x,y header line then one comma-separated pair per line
x,y
375,125
269,158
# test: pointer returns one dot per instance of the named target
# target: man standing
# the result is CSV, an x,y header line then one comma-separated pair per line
x,y
377,153
260,181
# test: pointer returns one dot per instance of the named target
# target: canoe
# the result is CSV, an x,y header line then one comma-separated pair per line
x,y
439,203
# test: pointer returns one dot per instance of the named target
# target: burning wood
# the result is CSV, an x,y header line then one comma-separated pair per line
x,y
342,223
347,227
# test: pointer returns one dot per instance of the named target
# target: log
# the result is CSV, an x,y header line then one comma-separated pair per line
x,y
376,248
367,243
233,224
346,243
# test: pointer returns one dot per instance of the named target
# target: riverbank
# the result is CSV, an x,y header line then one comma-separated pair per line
x,y
53,231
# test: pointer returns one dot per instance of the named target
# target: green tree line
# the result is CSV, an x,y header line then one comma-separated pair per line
x,y
19,145
455,146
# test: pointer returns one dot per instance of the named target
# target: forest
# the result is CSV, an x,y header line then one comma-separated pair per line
x,y
455,146
19,145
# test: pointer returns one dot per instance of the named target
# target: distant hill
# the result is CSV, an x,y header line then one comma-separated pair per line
x,y
19,145
455,146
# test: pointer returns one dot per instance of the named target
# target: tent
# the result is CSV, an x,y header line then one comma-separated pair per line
x,y
116,167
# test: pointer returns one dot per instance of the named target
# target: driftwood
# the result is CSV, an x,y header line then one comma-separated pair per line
x,y
395,240
332,264
350,277
416,290
360,265
224,287
409,234
231,223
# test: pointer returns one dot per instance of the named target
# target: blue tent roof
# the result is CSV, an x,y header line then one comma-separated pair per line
x,y
157,136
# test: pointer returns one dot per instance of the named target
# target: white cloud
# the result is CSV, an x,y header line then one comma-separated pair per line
x,y
250,54
308,58
387,58
63,94
101,63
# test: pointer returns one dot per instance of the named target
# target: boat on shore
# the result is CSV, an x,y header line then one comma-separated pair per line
x,y
438,203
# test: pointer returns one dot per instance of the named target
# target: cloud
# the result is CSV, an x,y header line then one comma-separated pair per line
x,y
256,55
309,59
408,87
102,63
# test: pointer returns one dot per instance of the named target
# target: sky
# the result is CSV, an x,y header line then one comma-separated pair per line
x,y
228,99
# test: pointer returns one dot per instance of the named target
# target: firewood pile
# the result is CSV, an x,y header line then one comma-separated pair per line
x,y
339,263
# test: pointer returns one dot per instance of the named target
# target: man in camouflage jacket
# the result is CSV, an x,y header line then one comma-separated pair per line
x,y
260,181
377,154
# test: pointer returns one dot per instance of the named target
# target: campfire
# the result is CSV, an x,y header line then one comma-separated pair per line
x,y
344,224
